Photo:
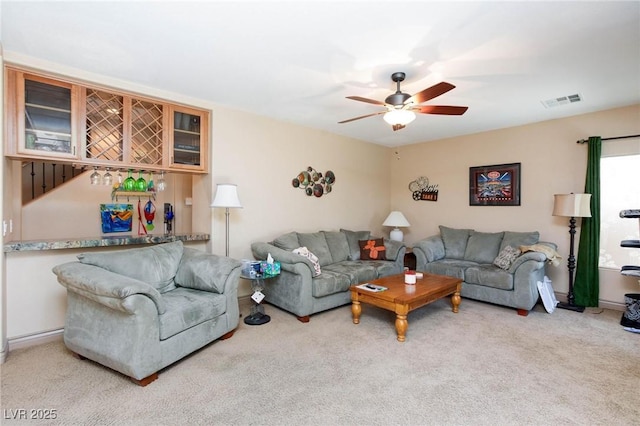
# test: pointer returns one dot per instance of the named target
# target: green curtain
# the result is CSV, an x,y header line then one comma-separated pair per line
x,y
586,285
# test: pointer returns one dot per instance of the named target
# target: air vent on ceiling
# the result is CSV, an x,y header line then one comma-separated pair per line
x,y
564,100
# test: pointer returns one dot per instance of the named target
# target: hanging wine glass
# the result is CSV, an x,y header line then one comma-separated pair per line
x,y
107,179
120,179
95,177
130,182
150,186
141,184
162,184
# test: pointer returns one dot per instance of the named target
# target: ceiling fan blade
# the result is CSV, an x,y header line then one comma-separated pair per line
x,y
367,100
430,93
362,116
440,109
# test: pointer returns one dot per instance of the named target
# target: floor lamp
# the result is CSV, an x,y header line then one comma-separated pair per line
x,y
572,205
227,197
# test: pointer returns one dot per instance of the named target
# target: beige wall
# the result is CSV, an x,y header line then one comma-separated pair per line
x,y
262,156
552,163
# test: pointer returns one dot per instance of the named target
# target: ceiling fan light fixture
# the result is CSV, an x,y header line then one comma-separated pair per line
x,y
399,116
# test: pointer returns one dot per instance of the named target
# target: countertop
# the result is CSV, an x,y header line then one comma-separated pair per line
x,y
101,241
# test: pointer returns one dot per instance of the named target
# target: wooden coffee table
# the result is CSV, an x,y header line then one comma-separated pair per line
x,y
402,298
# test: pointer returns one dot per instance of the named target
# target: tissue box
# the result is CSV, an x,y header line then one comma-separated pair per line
x,y
270,269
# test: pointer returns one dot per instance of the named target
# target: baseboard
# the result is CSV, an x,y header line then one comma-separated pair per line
x,y
35,339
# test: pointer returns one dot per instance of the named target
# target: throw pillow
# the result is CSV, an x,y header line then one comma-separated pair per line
x,y
506,257
372,249
303,251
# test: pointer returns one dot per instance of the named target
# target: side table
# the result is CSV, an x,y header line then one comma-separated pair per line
x,y
410,259
257,315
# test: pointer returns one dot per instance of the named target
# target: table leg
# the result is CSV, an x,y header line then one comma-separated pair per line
x,y
401,322
356,310
401,327
455,301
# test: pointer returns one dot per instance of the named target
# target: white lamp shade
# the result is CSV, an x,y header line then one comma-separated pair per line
x,y
226,196
572,205
399,116
396,219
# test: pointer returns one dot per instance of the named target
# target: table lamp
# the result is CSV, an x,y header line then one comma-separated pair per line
x,y
397,220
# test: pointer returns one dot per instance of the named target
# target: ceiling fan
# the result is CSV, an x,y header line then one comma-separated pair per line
x,y
401,106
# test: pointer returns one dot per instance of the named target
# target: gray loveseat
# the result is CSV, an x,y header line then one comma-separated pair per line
x,y
300,291
140,310
474,257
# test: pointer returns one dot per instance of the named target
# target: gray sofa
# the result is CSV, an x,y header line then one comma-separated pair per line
x,y
298,290
473,257
140,310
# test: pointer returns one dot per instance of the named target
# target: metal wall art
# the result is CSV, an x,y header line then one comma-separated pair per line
x,y
313,182
422,191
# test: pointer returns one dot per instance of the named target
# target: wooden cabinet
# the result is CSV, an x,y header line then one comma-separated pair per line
x,y
84,124
43,116
189,128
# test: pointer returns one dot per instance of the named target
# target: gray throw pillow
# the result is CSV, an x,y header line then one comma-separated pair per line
x,y
352,239
483,247
155,265
506,257
455,241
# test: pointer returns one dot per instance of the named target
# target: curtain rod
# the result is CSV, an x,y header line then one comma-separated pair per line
x,y
610,139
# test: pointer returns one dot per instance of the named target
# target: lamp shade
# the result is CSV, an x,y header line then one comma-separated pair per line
x,y
399,116
572,205
226,196
396,219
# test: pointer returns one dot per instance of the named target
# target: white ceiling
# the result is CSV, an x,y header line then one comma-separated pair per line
x,y
297,61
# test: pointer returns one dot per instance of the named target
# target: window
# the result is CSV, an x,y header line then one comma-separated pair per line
x,y
619,190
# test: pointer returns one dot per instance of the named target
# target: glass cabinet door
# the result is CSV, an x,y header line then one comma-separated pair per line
x,y
47,118
188,132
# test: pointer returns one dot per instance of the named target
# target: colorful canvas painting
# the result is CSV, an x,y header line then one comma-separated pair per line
x,y
116,217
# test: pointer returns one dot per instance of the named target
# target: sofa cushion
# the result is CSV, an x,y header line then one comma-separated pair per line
x,y
156,265
489,276
288,241
483,247
358,271
517,239
328,283
316,243
384,268
204,271
372,249
187,308
338,245
352,239
455,241
450,267
506,257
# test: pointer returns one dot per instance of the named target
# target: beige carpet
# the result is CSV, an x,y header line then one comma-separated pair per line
x,y
485,365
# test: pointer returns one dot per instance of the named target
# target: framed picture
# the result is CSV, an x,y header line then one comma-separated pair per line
x,y
497,185
116,217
